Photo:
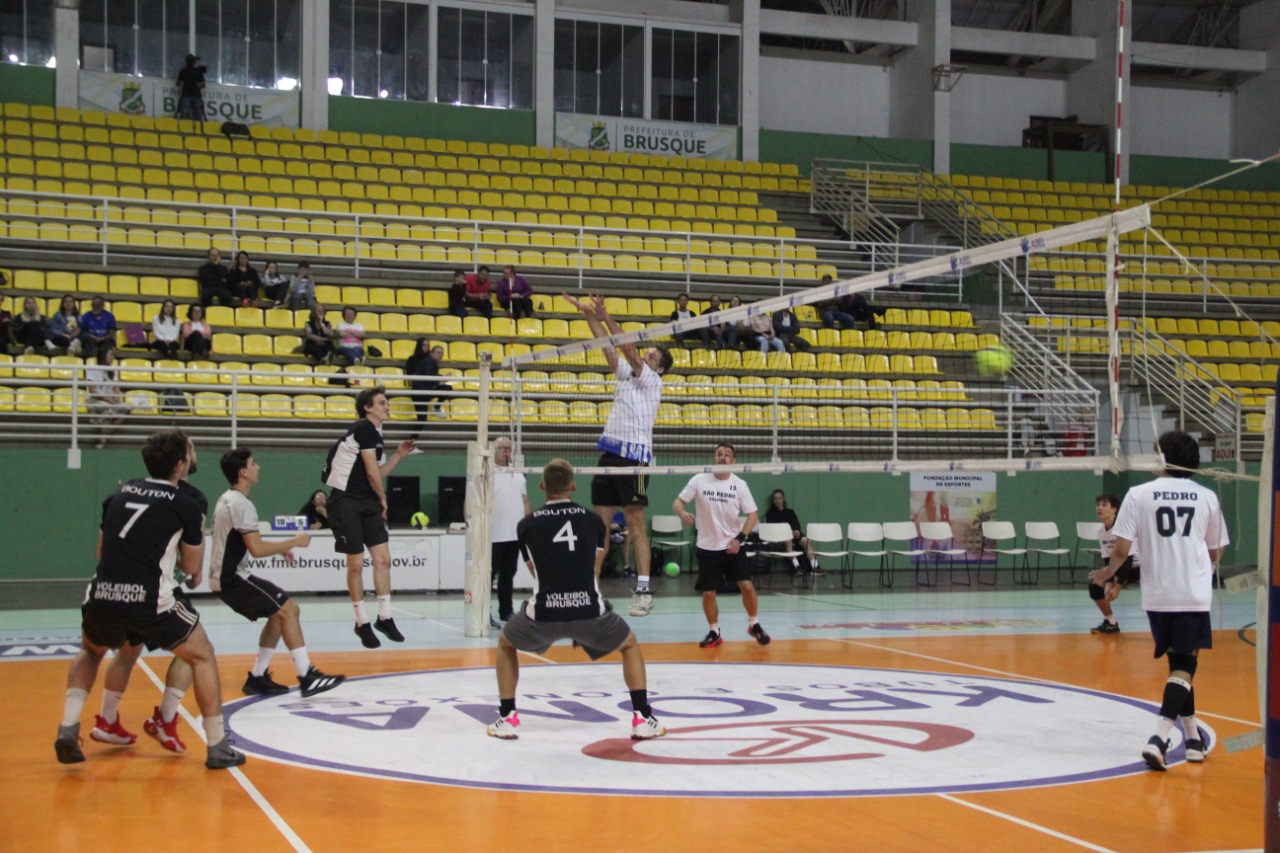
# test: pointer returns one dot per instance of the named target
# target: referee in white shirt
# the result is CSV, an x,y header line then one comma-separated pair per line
x,y
1178,526
510,504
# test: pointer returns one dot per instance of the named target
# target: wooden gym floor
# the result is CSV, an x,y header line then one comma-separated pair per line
x,y
994,721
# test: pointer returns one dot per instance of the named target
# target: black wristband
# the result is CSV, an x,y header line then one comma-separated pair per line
x,y
741,537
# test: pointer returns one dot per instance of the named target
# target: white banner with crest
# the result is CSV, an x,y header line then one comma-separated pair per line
x,y
122,93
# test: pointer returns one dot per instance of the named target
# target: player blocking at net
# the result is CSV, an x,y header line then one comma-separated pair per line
x,y
564,544
627,441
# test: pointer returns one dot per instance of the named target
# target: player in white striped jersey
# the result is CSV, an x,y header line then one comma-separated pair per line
x,y
1178,526
627,440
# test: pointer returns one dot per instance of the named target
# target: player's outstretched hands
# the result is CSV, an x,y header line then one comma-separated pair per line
x,y
1101,576
302,540
576,303
597,304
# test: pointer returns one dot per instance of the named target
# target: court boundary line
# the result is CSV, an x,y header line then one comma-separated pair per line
x,y
427,619
1026,823
294,840
1007,674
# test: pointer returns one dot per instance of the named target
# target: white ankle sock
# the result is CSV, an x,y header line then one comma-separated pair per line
x,y
300,660
1163,726
73,705
642,583
752,621
359,608
170,703
214,730
714,627
384,606
1190,727
263,661
111,704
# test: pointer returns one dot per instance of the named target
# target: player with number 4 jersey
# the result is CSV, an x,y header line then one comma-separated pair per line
x,y
563,544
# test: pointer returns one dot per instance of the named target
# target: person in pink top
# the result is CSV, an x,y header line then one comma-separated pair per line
x,y
515,294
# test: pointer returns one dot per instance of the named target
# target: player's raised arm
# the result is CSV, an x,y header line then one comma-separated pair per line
x,y
597,328
611,327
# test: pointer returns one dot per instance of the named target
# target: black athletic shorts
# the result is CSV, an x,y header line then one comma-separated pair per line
x,y
110,626
1183,632
619,489
252,597
597,637
715,567
357,523
1127,575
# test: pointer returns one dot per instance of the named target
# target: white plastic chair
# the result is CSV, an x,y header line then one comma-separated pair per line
x,y
1087,531
1046,531
940,532
826,534
862,533
900,531
997,532
671,526
775,535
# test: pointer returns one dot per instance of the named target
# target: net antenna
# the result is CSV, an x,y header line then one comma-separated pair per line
x,y
478,563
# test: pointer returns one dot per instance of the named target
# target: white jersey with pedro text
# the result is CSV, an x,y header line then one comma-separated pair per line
x,y
717,506
1174,522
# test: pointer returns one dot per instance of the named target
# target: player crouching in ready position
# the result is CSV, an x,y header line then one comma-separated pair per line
x,y
235,540
563,544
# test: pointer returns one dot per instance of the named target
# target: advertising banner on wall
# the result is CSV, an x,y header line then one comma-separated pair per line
x,y
609,133
961,499
150,96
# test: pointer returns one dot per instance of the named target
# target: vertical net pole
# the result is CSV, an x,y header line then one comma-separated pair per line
x,y
479,505
1270,563
1113,342
1119,95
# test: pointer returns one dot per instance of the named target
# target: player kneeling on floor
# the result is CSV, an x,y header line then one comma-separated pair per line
x,y
235,541
563,544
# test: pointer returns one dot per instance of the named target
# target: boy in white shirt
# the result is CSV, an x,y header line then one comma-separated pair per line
x,y
1178,526
719,499
1105,507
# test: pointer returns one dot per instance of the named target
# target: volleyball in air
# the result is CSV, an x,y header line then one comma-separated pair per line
x,y
672,570
419,519
993,361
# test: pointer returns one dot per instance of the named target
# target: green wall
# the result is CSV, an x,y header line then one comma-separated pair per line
x,y
27,84
1150,170
438,121
1033,163
49,529
785,146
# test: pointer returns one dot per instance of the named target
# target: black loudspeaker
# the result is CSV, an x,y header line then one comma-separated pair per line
x,y
451,500
403,499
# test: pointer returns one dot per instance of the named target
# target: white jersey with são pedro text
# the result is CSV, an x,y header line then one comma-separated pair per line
x,y
1174,522
717,506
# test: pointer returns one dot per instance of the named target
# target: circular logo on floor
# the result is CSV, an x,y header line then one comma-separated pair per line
x,y
732,730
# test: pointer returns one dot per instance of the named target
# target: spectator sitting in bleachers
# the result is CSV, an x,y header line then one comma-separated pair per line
x,y
831,311
857,307
425,361
243,280
515,294
317,335
107,406
458,294
479,290
722,334
165,330
274,285
99,328
765,338
742,331
212,276
64,328
302,288
684,312
787,329
30,329
350,337
197,337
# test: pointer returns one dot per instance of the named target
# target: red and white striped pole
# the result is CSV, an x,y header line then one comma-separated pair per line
x,y
1113,257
